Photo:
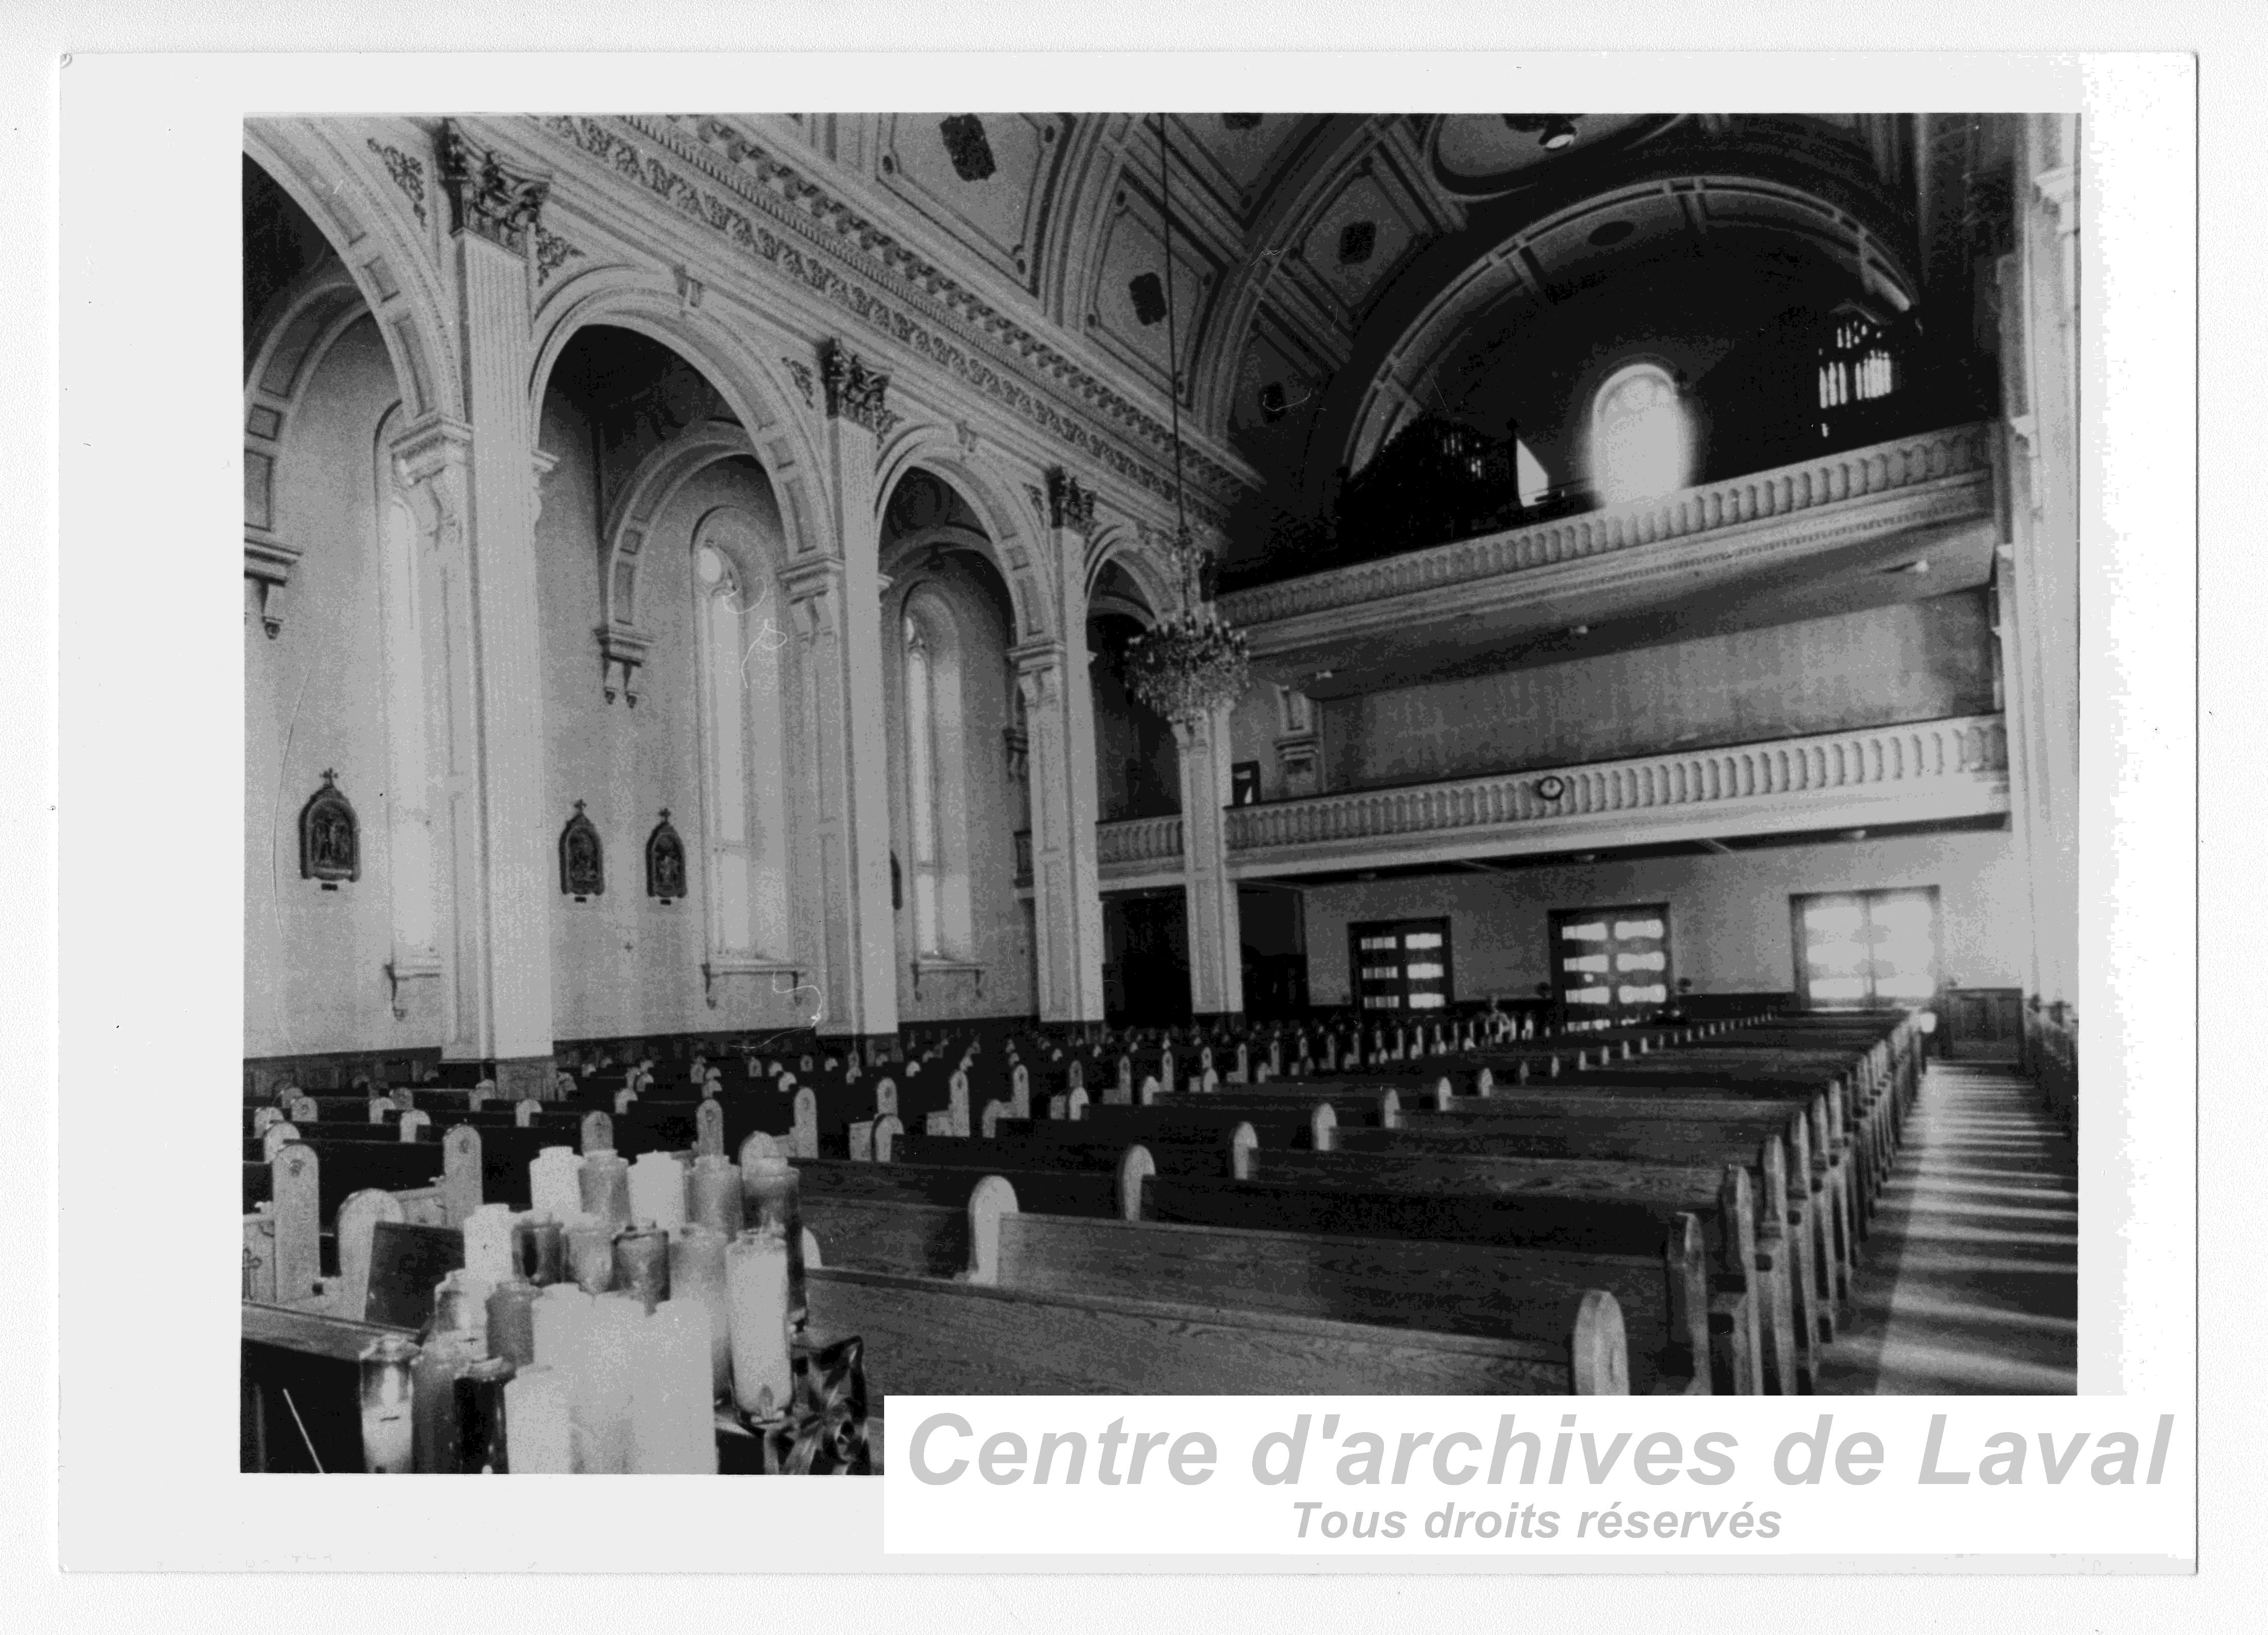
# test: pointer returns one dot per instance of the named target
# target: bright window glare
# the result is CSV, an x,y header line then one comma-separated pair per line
x,y
1535,482
1640,445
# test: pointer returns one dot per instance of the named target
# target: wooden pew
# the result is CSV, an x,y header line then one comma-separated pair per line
x,y
1763,1145
1059,1192
928,1335
1680,1324
1749,1245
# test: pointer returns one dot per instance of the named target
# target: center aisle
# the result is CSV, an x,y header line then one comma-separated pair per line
x,y
1970,1284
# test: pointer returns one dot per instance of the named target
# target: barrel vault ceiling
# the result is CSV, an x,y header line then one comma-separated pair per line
x,y
1326,267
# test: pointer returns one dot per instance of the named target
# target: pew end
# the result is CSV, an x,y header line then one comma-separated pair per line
x,y
1600,1353
1243,1142
991,1198
1134,1166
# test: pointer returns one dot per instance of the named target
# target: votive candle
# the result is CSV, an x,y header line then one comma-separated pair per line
x,y
658,1190
756,1282
642,1265
554,1182
606,1185
696,1272
537,1426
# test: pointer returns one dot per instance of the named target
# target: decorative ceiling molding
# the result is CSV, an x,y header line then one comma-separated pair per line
x,y
892,290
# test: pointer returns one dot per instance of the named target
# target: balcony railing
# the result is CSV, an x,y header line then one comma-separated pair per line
x,y
1920,771
1139,843
1903,466
1924,770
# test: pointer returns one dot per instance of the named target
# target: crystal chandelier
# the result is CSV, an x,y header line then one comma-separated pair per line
x,y
1191,662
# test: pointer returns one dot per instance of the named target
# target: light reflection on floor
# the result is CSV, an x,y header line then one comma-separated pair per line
x,y
1970,1282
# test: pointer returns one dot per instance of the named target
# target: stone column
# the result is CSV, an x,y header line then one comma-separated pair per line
x,y
476,483
1059,713
837,603
1216,939
2038,578
1066,893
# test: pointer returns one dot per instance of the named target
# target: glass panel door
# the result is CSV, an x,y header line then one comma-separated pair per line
x,y
1863,950
1399,966
1611,966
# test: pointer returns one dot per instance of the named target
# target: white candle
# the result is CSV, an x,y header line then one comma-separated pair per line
x,y
658,1190
696,1272
563,1323
673,1427
554,1182
602,1391
536,1423
487,1244
755,1276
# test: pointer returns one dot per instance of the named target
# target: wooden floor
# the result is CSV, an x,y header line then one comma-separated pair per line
x,y
1972,1277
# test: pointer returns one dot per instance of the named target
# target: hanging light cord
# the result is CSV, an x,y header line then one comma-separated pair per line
x,y
1173,363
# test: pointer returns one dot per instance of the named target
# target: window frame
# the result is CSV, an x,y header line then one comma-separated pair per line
x,y
1798,902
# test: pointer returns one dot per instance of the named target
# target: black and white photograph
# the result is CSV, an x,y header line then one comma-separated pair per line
x,y
1289,851
1151,753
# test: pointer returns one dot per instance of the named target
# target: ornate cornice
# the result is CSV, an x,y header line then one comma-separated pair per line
x,y
409,174
855,392
807,234
552,252
1069,506
498,201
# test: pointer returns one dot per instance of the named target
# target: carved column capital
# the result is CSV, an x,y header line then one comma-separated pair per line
x,y
1039,670
434,448
1070,505
494,199
854,392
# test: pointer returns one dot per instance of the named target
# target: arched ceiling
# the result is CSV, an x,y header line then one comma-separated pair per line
x,y
1321,262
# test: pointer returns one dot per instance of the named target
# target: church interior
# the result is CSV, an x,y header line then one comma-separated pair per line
x,y
1036,753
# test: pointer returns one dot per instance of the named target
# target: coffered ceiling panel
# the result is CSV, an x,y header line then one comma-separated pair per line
x,y
1126,307
984,178
1357,241
1278,388
1239,153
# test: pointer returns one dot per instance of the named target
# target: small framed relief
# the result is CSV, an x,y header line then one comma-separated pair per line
x,y
582,858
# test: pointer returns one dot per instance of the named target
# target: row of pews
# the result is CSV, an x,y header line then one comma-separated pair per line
x,y
1447,1209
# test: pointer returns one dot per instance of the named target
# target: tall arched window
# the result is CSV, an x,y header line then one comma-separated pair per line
x,y
1641,447
936,795
744,813
1857,363
921,790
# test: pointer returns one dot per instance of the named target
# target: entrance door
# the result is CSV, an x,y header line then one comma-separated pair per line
x,y
1611,967
1399,966
1865,950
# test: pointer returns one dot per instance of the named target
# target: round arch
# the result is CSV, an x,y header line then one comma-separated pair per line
x,y
1463,277
382,248
659,477
1154,579
1009,543
784,442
